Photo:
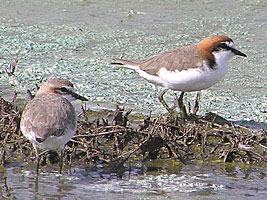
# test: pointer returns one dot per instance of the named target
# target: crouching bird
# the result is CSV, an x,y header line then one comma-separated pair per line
x,y
49,120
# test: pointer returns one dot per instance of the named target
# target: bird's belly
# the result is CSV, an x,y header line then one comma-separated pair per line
x,y
54,143
191,79
50,143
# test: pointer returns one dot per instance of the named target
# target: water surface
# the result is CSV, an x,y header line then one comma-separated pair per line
x,y
149,181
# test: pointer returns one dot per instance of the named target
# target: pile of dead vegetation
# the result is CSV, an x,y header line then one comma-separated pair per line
x,y
113,140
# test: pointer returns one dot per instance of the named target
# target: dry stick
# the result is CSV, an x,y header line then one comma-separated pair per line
x,y
12,67
165,124
154,127
195,135
214,149
210,122
139,145
3,153
44,152
100,134
6,187
131,152
162,131
111,126
108,133
263,146
31,96
116,144
14,97
251,151
10,124
75,141
175,154
171,147
189,108
83,113
204,140
165,133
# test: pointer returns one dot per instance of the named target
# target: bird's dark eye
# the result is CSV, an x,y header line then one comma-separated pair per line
x,y
63,89
223,46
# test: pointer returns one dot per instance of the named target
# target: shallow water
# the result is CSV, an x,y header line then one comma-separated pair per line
x,y
77,39
165,180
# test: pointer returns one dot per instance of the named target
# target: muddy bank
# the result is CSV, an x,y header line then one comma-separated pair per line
x,y
112,140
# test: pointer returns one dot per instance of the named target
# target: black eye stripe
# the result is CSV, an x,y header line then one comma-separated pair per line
x,y
223,46
63,89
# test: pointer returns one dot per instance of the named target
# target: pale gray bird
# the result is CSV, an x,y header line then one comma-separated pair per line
x,y
49,120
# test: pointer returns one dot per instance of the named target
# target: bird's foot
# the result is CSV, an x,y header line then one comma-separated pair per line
x,y
196,107
178,103
181,106
172,112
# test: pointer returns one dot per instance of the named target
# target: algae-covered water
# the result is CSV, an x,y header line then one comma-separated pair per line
x,y
77,39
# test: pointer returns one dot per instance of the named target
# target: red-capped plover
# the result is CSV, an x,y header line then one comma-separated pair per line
x,y
49,120
186,69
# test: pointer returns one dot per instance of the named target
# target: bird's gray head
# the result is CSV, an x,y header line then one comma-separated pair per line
x,y
61,87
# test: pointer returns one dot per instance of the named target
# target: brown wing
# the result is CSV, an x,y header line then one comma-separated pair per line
x,y
181,59
49,115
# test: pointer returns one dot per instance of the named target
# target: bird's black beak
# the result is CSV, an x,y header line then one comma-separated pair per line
x,y
239,53
77,96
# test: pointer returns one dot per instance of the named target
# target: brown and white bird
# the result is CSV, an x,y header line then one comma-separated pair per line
x,y
188,68
49,120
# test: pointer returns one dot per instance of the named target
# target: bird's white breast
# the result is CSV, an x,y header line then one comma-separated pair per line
x,y
189,80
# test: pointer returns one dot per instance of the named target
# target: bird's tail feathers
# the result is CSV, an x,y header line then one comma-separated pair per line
x,y
126,63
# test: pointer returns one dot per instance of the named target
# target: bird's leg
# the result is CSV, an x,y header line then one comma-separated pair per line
x,y
196,107
182,106
36,186
163,102
38,160
61,160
